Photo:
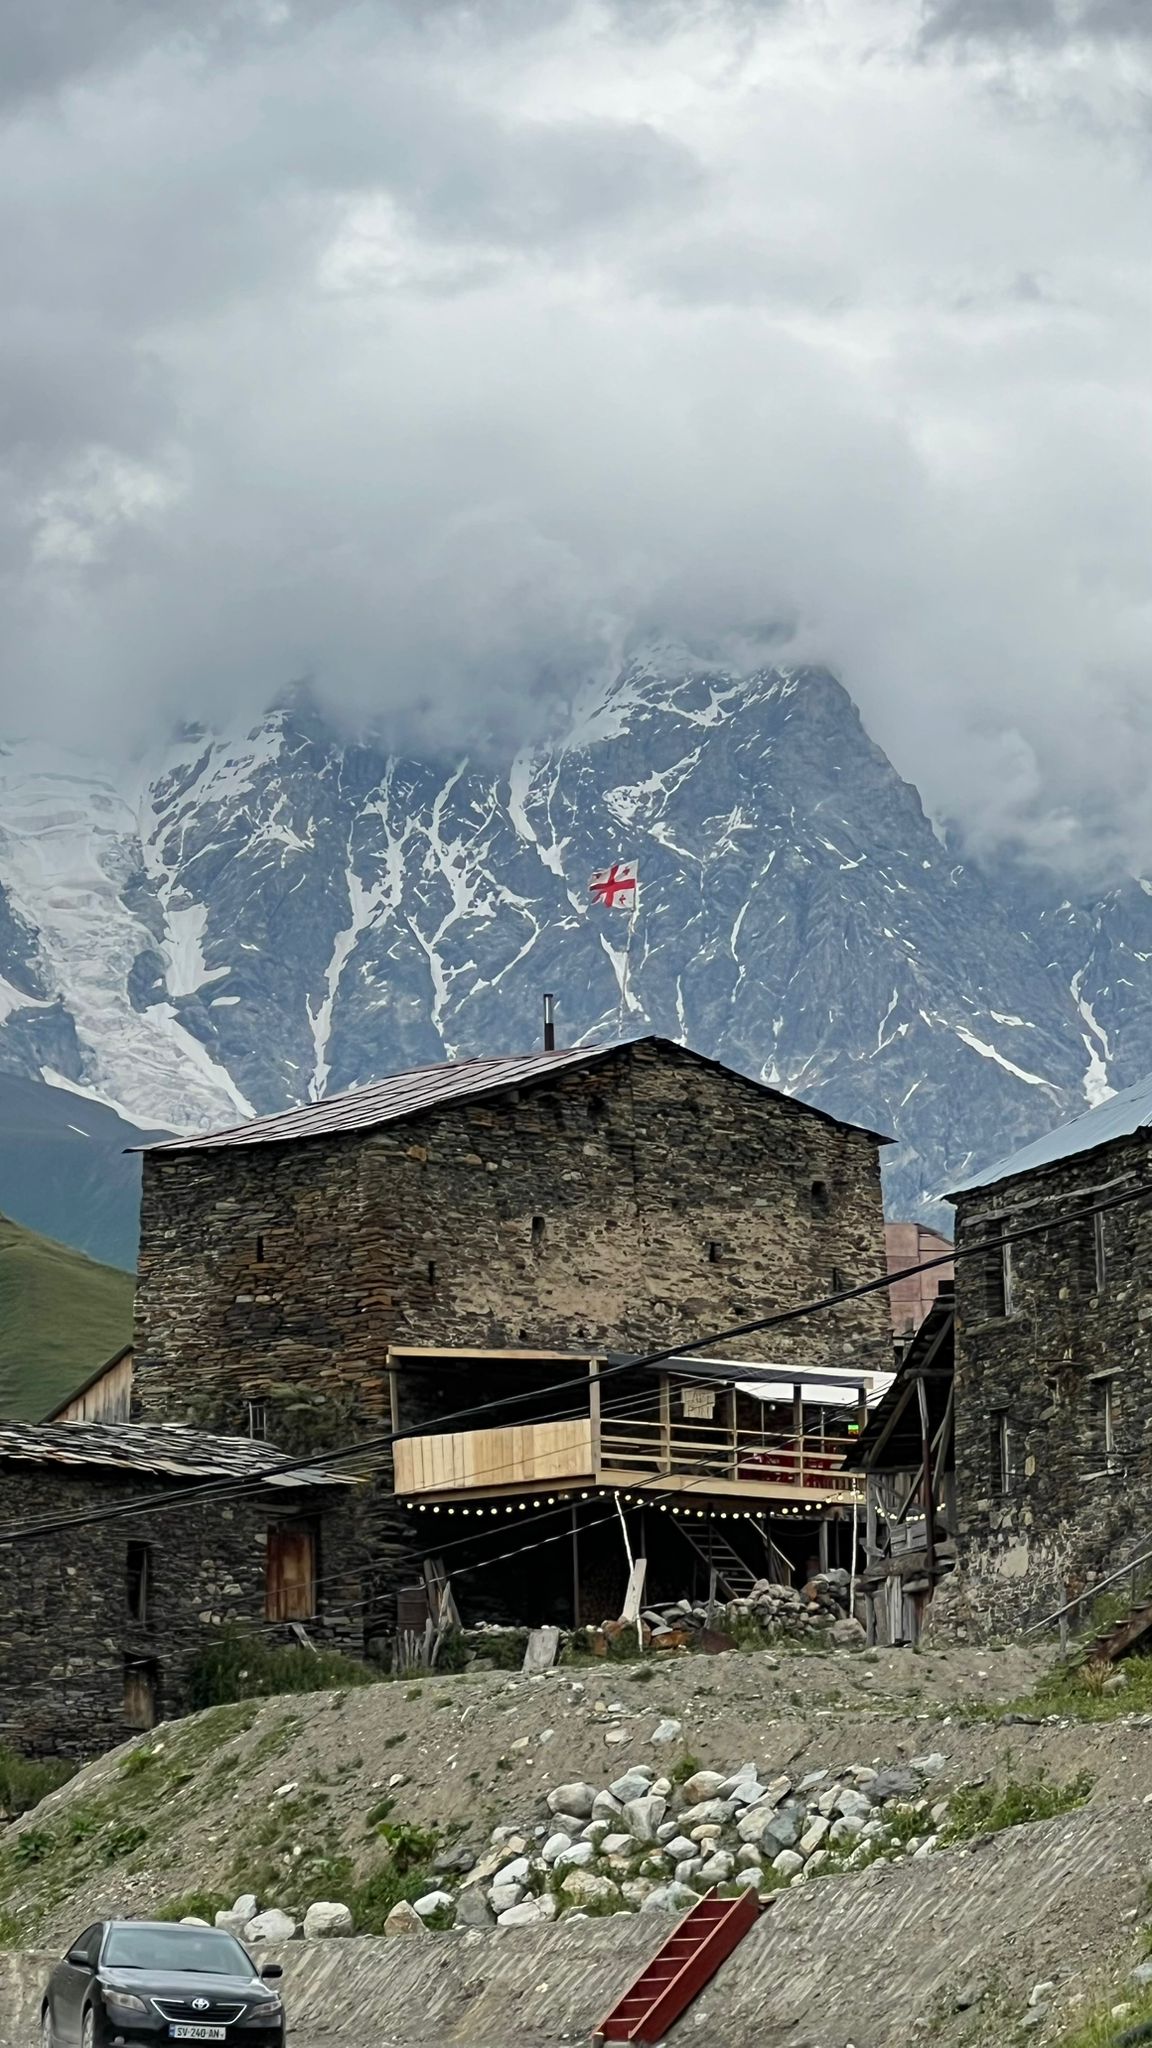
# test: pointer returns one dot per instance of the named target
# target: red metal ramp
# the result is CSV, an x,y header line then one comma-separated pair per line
x,y
692,1954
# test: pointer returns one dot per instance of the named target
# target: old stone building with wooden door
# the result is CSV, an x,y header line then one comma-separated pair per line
x,y
466,1233
1054,1364
101,1622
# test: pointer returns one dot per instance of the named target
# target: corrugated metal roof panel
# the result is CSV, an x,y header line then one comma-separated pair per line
x,y
167,1449
400,1095
424,1088
1120,1117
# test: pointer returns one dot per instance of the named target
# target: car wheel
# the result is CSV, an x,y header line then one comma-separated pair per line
x,y
47,2033
88,2036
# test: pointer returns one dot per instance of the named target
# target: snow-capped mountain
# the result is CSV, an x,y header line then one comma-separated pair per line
x,y
256,919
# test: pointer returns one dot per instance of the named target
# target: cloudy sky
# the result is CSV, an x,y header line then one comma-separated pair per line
x,y
441,352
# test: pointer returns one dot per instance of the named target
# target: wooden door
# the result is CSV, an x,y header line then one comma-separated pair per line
x,y
291,1583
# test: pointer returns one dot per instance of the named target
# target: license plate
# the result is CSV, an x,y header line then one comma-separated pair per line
x,y
197,2033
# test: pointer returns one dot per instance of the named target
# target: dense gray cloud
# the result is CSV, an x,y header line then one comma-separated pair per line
x,y
443,352
1035,21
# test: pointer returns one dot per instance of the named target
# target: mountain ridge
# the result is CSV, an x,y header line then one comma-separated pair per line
x,y
251,919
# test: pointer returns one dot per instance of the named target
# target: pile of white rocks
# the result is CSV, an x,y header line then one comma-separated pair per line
x,y
816,1610
323,1920
644,1844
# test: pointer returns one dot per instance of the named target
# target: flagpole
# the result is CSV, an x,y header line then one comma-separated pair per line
x,y
628,958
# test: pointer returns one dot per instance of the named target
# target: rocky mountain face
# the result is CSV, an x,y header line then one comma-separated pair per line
x,y
259,918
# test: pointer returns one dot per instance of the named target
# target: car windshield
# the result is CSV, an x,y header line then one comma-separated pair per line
x,y
176,1948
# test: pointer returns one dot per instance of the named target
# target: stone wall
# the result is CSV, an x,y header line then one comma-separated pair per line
x,y
641,1202
65,1625
1053,1396
634,1204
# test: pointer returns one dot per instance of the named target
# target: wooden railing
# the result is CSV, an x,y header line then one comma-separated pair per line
x,y
714,1450
551,1453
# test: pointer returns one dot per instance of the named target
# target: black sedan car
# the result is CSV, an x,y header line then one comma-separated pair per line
x,y
149,1981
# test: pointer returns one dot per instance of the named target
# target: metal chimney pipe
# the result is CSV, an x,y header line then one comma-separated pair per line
x,y
549,1023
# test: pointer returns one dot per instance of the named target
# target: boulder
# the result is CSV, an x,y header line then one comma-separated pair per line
x,y
847,1634
404,1919
666,1731
751,1877
637,1889
717,1811
605,1807
515,1872
643,1817
748,1858
686,1870
576,1799
847,1829
575,1858
787,1863
853,1805
555,1846
233,1923
928,1766
670,1898
708,1785
472,1909
432,1902
502,1896
636,1781
678,1847
529,1913
325,1919
617,1845
717,1868
898,1783
454,1862
584,1887
570,1824
270,1926
540,1654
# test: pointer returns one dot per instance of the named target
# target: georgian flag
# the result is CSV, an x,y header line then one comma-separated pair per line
x,y
615,888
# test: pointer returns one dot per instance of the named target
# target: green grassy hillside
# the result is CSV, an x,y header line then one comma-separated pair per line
x,y
61,1316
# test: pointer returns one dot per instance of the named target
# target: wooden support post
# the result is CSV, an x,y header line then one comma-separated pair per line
x,y
823,1543
665,1423
594,1411
712,1575
575,1566
734,1458
929,1489
798,1430
393,1397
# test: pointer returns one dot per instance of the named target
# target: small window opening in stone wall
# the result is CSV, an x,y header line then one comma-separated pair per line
x,y
431,1272
290,1593
139,1586
715,1251
992,1277
259,1248
1002,1450
539,1226
597,1109
819,1198
1106,1413
258,1421
141,1692
840,1281
1100,1249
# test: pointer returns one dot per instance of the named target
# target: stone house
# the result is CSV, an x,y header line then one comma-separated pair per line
x,y
100,1624
1054,1364
463,1233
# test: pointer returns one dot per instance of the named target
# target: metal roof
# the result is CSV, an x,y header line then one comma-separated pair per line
x,y
1120,1117
166,1449
424,1088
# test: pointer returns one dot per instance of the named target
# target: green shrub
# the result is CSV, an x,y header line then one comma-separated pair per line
x,y
195,1906
237,1668
24,1783
985,1809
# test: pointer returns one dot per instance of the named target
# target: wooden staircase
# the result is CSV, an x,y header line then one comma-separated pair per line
x,y
1124,1635
734,1578
690,1957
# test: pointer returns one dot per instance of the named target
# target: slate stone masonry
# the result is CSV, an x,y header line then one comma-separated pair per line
x,y
66,1631
648,1199
1053,1387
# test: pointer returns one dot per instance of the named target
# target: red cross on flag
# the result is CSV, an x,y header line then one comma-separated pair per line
x,y
615,887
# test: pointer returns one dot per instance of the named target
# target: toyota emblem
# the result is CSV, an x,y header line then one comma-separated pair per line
x,y
199,2005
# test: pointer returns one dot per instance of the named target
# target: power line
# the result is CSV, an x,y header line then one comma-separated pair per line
x,y
478,1412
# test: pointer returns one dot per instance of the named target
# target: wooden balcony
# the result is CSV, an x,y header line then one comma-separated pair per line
x,y
659,1454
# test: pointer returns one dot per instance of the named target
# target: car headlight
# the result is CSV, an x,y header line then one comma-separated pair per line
x,y
269,2009
124,2001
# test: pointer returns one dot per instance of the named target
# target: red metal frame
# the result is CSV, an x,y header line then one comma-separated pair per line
x,y
692,1954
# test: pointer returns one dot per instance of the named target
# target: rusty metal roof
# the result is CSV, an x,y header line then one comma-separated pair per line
x,y
168,1450
424,1088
